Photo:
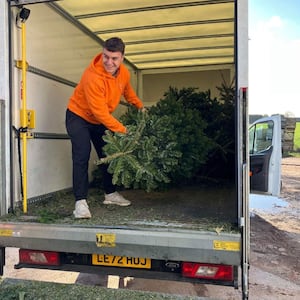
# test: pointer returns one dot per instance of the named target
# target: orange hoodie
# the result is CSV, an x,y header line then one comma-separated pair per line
x,y
98,94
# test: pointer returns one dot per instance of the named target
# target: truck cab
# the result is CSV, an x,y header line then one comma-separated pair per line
x,y
265,150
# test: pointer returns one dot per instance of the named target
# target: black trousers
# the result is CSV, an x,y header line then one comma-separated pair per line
x,y
82,133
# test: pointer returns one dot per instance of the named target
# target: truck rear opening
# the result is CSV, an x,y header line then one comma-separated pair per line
x,y
129,266
196,232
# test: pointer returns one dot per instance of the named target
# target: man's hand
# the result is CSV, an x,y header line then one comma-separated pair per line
x,y
144,109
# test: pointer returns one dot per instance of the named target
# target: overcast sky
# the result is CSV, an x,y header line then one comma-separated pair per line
x,y
274,57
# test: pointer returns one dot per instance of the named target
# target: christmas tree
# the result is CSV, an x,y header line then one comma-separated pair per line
x,y
166,145
139,159
179,138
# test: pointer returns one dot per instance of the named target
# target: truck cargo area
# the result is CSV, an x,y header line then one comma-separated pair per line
x,y
180,226
187,224
197,207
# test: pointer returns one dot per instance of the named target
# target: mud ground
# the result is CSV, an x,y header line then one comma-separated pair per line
x,y
274,255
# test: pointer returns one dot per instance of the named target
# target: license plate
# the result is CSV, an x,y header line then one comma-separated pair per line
x,y
121,261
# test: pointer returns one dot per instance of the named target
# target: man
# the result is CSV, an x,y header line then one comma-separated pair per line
x,y
89,114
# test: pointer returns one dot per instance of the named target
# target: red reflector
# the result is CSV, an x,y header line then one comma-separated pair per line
x,y
38,257
207,271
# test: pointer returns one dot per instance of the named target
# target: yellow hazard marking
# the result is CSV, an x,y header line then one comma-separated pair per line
x,y
227,246
105,240
6,232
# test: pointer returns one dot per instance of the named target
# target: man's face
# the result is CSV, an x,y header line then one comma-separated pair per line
x,y
112,61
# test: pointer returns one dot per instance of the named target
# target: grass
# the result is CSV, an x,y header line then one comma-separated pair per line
x,y
296,152
297,138
11,289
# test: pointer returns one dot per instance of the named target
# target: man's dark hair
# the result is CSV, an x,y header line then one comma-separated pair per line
x,y
114,44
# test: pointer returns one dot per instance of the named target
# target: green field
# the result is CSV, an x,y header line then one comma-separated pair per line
x,y
297,138
13,289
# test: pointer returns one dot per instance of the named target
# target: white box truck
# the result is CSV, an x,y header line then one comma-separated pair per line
x,y
45,47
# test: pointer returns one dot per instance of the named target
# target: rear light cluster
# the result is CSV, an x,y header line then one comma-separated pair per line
x,y
37,257
188,269
207,271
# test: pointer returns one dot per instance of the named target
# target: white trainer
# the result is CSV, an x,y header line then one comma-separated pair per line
x,y
82,210
116,198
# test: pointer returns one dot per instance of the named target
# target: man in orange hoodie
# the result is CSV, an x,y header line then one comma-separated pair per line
x,y
89,114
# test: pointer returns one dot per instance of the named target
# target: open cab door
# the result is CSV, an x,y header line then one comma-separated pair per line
x,y
265,155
